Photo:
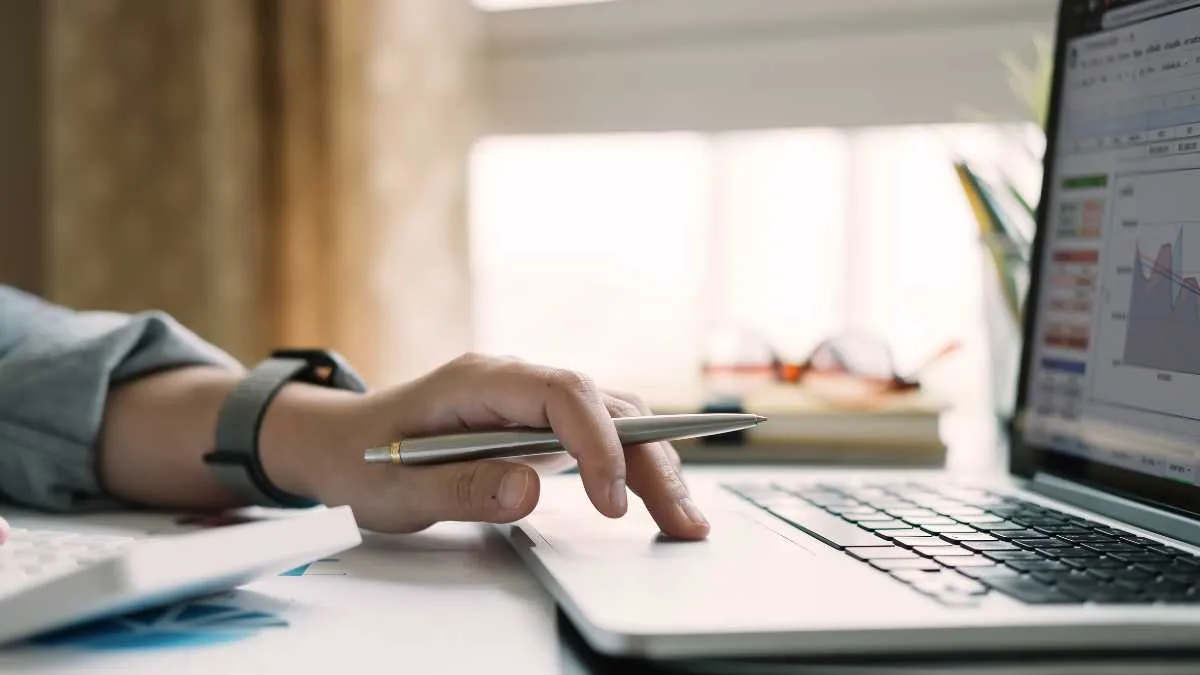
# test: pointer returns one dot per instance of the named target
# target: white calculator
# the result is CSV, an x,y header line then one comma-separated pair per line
x,y
54,579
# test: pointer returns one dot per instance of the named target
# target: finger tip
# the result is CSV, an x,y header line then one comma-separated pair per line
x,y
612,512
688,532
533,492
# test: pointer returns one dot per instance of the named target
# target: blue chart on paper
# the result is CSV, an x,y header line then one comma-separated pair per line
x,y
187,624
322,567
216,619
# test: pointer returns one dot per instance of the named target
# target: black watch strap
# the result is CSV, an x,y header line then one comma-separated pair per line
x,y
236,461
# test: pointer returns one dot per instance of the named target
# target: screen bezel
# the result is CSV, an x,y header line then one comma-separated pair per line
x,y
1026,460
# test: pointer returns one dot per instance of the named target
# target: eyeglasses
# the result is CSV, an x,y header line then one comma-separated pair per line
x,y
852,367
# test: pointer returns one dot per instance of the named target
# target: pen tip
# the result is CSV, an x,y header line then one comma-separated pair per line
x,y
759,419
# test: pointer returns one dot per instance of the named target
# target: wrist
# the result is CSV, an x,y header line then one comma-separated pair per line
x,y
308,433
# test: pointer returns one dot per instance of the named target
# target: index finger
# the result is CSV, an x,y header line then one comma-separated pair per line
x,y
571,405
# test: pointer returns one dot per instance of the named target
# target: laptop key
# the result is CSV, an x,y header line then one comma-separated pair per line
x,y
929,520
913,564
828,528
983,546
1036,521
912,542
1013,534
969,536
954,599
985,573
881,553
1140,541
1166,586
1037,565
979,520
1067,552
1102,574
1140,557
1112,548
1131,574
954,512
1078,584
876,517
894,534
1089,539
913,576
877,525
1060,529
959,562
1115,595
1031,591
1041,542
1190,597
1019,554
1000,525
911,512
851,510
942,529
1103,593
1106,563
938,551
1165,550
950,582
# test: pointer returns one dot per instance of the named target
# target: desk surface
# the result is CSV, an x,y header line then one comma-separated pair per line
x,y
453,599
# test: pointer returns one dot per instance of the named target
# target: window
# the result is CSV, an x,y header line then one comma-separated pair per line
x,y
625,255
660,173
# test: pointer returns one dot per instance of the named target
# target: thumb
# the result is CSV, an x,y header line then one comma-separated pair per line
x,y
485,491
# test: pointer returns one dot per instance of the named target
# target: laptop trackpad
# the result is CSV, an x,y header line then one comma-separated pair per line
x,y
574,528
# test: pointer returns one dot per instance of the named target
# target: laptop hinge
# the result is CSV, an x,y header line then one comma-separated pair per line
x,y
1117,508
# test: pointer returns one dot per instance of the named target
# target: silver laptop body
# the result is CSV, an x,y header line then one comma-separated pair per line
x,y
1105,434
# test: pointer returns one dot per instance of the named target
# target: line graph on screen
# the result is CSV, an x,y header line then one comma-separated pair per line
x,y
1163,324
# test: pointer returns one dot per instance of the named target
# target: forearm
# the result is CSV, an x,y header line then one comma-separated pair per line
x,y
158,428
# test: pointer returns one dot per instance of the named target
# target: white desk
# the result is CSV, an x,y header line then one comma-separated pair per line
x,y
454,599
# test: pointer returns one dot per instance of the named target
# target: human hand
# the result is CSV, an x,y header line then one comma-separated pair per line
x,y
470,393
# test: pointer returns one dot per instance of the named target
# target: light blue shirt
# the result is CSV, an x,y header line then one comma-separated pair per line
x,y
56,369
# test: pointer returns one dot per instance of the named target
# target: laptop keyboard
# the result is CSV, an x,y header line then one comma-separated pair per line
x,y
958,545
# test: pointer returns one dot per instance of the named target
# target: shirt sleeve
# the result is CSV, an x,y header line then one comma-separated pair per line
x,y
56,368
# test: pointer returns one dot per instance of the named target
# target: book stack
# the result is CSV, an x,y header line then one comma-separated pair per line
x,y
899,430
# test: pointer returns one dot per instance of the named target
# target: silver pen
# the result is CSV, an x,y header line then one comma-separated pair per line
x,y
523,441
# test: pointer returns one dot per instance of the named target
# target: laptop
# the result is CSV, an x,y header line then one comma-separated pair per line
x,y
1092,539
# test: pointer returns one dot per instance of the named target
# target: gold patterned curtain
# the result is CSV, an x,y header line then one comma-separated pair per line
x,y
271,172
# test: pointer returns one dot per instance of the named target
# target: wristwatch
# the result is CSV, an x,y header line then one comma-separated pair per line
x,y
235,460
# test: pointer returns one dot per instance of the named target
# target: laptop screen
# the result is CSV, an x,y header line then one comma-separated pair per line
x,y
1110,390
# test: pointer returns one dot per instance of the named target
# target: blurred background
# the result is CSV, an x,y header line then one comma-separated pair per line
x,y
614,186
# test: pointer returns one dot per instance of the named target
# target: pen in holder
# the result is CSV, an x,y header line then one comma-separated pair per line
x,y
1005,237
1004,337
